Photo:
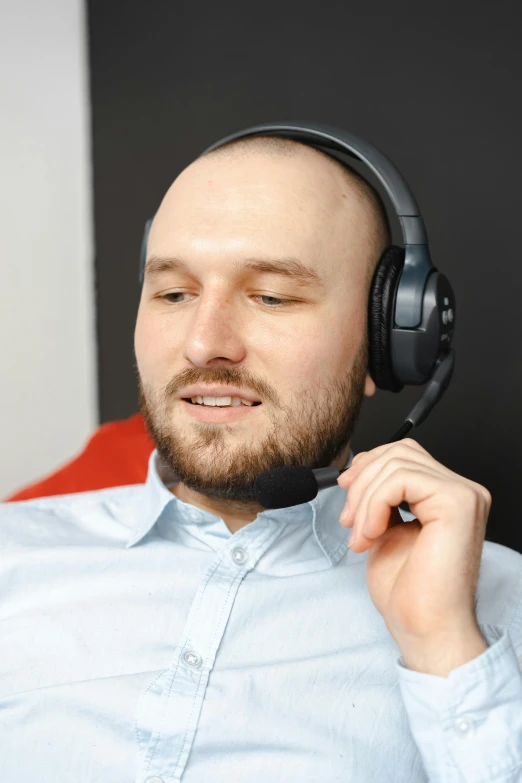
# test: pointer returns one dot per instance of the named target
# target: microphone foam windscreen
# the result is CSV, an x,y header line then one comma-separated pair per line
x,y
283,487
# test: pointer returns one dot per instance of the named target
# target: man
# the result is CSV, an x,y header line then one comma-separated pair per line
x,y
177,630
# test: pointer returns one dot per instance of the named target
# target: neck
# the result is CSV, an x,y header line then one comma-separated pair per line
x,y
235,513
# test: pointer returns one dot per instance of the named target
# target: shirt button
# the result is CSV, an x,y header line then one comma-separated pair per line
x,y
191,659
239,555
194,515
463,726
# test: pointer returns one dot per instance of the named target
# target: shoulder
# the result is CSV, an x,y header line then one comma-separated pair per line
x,y
70,519
499,590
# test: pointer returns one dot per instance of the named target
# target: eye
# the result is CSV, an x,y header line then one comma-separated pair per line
x,y
275,301
175,297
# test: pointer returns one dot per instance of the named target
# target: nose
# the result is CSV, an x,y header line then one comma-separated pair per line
x,y
214,335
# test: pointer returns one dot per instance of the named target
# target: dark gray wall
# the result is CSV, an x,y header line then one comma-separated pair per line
x,y
437,89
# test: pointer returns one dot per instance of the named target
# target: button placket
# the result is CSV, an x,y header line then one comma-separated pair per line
x,y
464,726
168,712
192,659
239,555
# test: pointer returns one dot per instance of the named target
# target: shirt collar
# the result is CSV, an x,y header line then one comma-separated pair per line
x,y
322,513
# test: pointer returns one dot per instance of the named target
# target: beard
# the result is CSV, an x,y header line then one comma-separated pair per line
x,y
311,431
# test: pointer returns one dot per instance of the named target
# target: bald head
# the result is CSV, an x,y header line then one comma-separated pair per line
x,y
379,234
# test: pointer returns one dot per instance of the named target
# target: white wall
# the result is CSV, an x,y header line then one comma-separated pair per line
x,y
47,328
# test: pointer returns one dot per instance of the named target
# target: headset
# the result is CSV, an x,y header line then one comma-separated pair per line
x,y
411,307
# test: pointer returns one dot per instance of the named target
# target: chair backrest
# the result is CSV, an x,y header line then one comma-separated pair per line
x,y
115,455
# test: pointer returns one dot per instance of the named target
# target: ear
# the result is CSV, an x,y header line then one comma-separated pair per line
x,y
369,387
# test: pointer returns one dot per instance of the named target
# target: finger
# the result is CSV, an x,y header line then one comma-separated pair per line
x,y
397,483
414,485
365,491
360,543
378,450
407,448
365,525
361,478
433,497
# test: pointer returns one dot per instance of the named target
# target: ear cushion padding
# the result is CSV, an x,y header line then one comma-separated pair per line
x,y
380,312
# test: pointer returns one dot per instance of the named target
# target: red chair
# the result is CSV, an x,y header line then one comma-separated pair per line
x,y
117,454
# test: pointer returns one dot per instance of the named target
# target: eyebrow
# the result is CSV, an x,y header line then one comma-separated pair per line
x,y
287,267
157,265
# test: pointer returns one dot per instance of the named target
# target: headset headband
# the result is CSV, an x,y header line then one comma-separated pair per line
x,y
403,200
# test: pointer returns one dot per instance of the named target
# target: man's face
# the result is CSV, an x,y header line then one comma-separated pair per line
x,y
254,293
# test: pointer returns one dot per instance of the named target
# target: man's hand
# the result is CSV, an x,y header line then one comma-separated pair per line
x,y
422,575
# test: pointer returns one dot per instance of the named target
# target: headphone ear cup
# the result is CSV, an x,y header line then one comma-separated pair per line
x,y
381,305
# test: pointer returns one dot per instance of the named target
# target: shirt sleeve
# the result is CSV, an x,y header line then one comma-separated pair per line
x,y
468,726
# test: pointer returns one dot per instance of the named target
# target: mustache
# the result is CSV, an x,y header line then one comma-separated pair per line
x,y
222,375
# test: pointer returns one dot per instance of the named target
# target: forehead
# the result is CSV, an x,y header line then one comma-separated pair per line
x,y
258,204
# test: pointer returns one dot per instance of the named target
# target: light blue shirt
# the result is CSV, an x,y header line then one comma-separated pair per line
x,y
141,641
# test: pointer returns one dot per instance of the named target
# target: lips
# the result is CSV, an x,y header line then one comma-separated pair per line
x,y
221,402
218,392
218,414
